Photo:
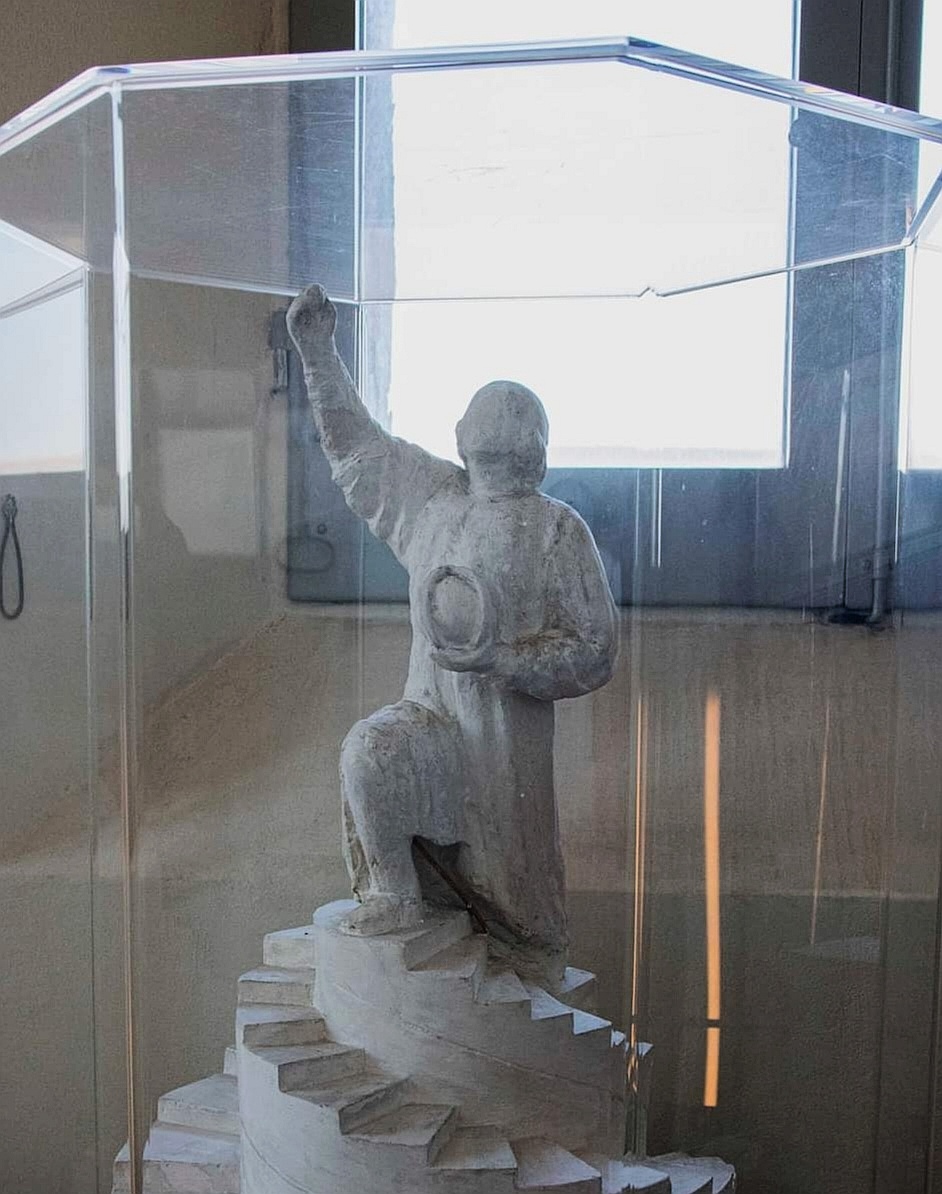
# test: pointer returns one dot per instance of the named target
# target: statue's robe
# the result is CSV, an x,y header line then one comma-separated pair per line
x,y
478,747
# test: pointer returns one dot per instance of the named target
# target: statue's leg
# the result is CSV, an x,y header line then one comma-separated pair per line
x,y
388,764
511,856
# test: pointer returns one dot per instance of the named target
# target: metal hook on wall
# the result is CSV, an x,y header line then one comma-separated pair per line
x,y
8,511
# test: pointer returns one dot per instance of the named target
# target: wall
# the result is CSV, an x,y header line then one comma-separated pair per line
x,y
47,1031
206,477
202,584
42,654
54,830
45,43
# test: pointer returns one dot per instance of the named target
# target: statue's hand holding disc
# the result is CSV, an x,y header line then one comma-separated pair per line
x,y
311,320
456,615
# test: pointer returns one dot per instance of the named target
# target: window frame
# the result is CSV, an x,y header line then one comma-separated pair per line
x,y
759,554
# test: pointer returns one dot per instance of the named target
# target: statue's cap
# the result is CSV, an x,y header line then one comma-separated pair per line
x,y
502,405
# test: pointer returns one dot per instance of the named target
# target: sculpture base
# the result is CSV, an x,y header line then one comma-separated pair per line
x,y
407,1063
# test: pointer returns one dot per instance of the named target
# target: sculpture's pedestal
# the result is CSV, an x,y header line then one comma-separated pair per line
x,y
406,1064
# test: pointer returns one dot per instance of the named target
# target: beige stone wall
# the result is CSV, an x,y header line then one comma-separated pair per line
x,y
44,43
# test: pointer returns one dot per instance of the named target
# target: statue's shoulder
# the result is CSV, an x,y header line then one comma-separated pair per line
x,y
562,515
451,479
422,473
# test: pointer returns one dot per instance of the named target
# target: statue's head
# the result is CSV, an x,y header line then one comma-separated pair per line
x,y
502,439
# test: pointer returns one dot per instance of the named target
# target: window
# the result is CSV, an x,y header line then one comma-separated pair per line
x,y
739,405
46,425
700,375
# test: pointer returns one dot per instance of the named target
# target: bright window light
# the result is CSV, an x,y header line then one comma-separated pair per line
x,y
42,391
730,30
619,388
921,422
28,264
654,196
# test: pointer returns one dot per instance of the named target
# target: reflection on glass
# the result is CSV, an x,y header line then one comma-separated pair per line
x,y
42,401
28,265
711,858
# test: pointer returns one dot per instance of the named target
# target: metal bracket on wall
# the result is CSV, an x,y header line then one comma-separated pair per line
x,y
10,538
279,344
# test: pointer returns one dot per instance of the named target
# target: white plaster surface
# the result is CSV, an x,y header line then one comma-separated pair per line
x,y
432,1075
431,1016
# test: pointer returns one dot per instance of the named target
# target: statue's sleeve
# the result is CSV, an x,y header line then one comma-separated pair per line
x,y
575,652
385,480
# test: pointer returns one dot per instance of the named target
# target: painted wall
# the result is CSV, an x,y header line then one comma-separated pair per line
x,y
47,1031
202,583
45,43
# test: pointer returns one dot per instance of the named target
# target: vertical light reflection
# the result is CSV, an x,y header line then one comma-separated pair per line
x,y
711,1077
641,792
711,847
819,834
836,546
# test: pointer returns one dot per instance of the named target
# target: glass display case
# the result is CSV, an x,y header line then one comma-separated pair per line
x,y
723,286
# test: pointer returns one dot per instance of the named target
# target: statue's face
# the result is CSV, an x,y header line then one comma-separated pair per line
x,y
502,438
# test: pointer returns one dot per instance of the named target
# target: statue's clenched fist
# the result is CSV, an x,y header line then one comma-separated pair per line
x,y
312,318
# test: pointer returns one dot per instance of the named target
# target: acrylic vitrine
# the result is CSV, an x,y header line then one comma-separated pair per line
x,y
724,287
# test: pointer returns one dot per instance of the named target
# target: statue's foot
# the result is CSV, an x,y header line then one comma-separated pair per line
x,y
383,914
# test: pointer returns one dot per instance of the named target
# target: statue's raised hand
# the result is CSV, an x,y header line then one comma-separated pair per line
x,y
312,318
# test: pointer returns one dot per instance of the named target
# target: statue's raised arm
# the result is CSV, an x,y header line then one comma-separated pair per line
x,y
385,480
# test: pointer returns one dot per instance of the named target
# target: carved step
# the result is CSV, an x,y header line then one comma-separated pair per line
x,y
464,961
404,949
356,1099
490,984
415,946
500,985
479,1148
466,1030
212,1104
622,1177
544,1166
274,1024
690,1183
303,1067
291,949
184,1160
420,1129
695,1175
578,989
271,984
584,1024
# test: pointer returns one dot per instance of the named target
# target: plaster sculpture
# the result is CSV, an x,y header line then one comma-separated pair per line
x,y
407,1063
510,611
384,1047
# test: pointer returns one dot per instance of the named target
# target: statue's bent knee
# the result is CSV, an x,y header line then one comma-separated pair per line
x,y
362,751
